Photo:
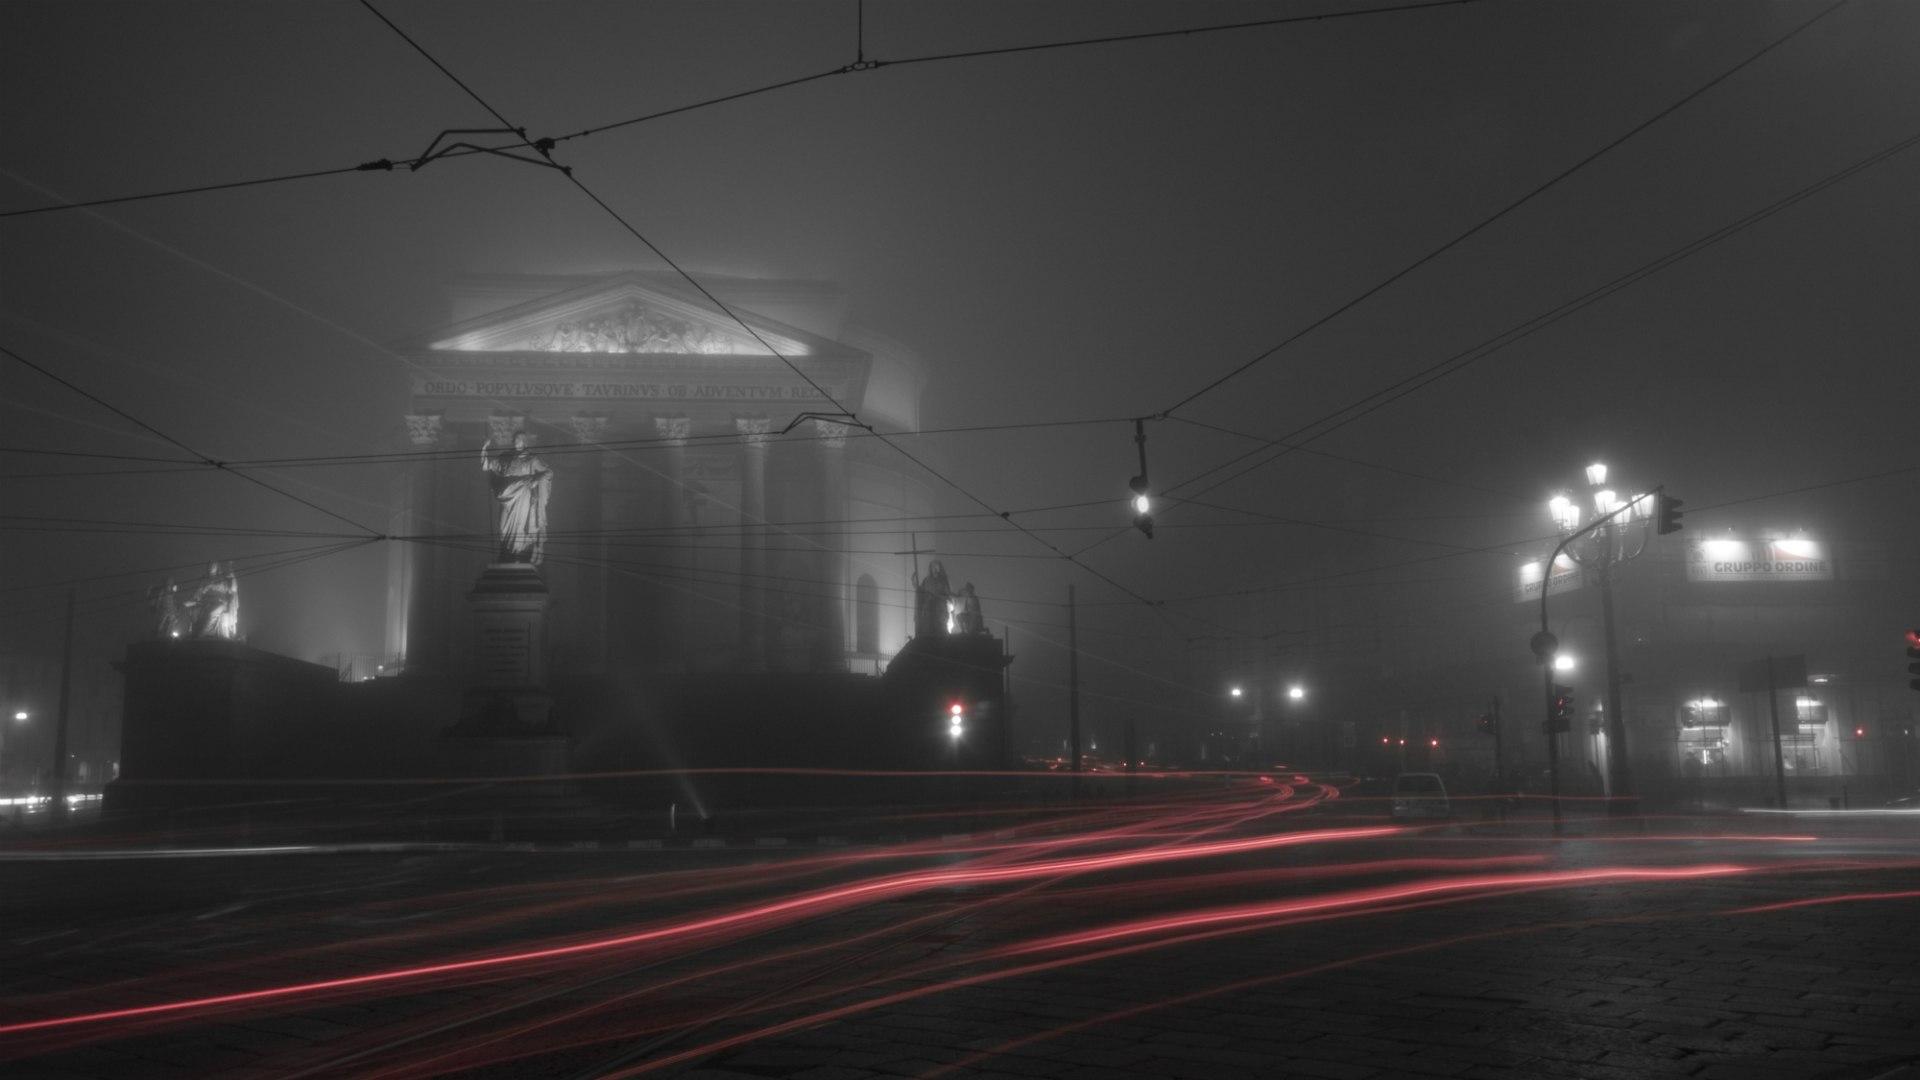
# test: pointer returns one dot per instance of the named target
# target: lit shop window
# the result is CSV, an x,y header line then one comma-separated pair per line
x,y
1704,712
1811,712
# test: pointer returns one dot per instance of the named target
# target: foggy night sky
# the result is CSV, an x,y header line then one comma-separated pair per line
x,y
1089,232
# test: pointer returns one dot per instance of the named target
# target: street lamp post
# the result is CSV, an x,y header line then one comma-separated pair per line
x,y
1616,534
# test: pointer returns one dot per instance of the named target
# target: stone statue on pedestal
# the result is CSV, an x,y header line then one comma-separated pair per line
x,y
521,483
214,611
970,621
933,599
172,617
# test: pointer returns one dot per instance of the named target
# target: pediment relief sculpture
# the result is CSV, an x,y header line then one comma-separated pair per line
x,y
633,328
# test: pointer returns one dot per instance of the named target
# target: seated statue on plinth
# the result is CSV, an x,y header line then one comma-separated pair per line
x,y
216,605
970,620
521,483
211,612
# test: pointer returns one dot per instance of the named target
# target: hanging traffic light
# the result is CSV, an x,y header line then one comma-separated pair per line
x,y
1560,716
1142,504
1488,724
1666,513
956,719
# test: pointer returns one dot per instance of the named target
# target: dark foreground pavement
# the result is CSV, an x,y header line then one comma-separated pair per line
x,y
1414,954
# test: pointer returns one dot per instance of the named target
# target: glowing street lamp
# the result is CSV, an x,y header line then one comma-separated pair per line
x,y
1296,692
1564,513
1236,691
20,714
1604,544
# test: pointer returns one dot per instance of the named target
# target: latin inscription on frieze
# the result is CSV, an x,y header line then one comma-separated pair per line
x,y
602,391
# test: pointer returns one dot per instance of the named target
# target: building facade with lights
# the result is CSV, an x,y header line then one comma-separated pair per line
x,y
712,508
1698,618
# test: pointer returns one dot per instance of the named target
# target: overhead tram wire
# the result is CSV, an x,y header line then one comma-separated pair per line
x,y
212,462
545,148
1460,361
1302,448
1880,474
674,578
388,457
130,597
1305,433
170,568
390,164
1476,228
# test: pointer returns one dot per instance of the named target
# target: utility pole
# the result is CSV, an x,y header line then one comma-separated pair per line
x,y
1006,697
1073,686
1779,759
60,722
1619,778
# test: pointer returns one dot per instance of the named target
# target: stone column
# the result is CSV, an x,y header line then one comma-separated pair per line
x,y
833,563
417,601
677,608
588,620
753,555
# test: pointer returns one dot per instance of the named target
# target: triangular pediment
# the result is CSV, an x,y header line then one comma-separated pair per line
x,y
624,315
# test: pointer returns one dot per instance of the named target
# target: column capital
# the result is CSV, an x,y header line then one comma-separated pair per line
x,y
426,429
502,426
757,429
589,428
673,427
831,433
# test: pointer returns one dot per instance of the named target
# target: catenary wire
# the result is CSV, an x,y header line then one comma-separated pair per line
x,y
719,305
143,425
389,164
1477,227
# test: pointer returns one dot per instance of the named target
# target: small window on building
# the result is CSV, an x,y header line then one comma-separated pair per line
x,y
1811,712
1704,712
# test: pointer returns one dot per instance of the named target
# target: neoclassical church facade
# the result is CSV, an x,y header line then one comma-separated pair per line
x,y
712,511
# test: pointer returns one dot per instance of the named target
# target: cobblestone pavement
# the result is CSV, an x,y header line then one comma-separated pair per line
x,y
1749,975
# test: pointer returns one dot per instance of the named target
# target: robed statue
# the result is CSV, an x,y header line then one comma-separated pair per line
x,y
933,602
970,620
521,483
172,617
210,611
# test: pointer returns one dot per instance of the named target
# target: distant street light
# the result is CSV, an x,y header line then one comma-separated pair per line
x,y
20,714
1236,691
1296,692
1617,534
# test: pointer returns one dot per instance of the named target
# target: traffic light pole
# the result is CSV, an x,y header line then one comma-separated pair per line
x,y
1617,750
1619,782
1553,740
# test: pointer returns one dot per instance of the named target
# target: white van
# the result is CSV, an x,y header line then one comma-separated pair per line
x,y
1420,795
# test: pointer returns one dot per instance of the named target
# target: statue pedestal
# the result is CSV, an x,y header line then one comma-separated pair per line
x,y
506,694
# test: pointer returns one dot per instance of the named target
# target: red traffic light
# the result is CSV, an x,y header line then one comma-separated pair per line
x,y
957,709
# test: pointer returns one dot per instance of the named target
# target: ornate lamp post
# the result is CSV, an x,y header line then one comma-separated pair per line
x,y
1616,533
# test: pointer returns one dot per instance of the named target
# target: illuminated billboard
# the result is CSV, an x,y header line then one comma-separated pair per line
x,y
1566,578
1724,559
